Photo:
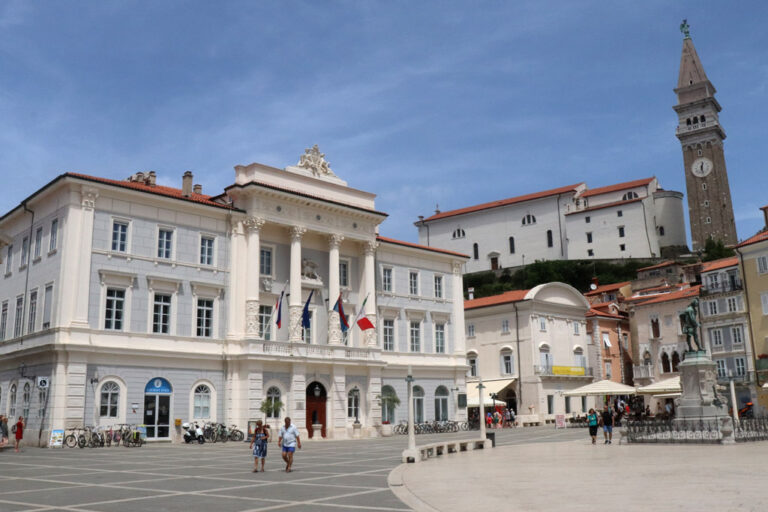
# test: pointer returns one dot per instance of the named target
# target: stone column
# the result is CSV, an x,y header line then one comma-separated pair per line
x,y
373,402
294,301
338,397
334,326
369,279
255,393
83,267
253,226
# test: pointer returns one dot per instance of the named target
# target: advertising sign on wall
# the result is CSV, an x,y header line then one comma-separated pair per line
x,y
568,370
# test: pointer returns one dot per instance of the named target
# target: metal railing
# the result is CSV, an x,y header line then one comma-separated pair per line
x,y
726,286
643,371
694,431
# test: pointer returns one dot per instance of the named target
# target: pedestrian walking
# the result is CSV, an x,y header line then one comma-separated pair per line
x,y
19,432
259,445
507,418
608,421
289,440
488,420
592,420
3,431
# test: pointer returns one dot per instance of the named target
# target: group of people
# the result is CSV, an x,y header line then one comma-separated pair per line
x,y
500,419
606,419
288,439
18,431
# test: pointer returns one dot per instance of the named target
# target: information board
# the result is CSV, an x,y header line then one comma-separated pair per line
x,y
57,439
559,420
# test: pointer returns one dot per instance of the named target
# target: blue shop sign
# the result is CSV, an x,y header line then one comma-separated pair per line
x,y
158,385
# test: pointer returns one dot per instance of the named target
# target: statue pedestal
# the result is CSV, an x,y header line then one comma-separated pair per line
x,y
698,378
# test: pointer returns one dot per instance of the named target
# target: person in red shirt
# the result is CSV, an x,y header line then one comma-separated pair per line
x,y
19,432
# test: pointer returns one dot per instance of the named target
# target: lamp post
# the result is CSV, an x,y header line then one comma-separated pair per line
x,y
734,405
356,396
480,389
410,454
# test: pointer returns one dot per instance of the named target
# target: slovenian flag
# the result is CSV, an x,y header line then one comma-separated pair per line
x,y
279,309
339,308
305,314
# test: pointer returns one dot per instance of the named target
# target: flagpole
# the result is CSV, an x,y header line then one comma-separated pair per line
x,y
274,310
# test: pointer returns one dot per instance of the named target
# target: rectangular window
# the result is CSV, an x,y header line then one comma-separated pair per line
x,y
306,332
506,364
204,317
415,337
505,326
625,341
762,264
47,305
9,259
206,250
17,322
589,238
619,213
721,372
164,243
511,245
576,328
265,324
413,283
54,235
386,279
737,335
161,314
608,370
716,336
439,287
733,304
119,236
712,307
764,300
265,261
440,338
24,252
471,330
38,242
590,252
389,335
583,404
542,324
622,247
3,320
343,273
741,366
621,231
472,367
550,404
587,219
32,311
567,405
607,340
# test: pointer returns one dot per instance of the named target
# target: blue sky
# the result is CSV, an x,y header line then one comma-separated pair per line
x,y
422,103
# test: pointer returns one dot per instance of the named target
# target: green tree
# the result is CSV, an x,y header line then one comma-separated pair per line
x,y
715,250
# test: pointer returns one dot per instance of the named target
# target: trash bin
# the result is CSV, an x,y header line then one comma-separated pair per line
x,y
492,437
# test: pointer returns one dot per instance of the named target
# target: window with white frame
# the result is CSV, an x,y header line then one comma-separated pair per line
x,y
265,324
472,362
161,314
545,357
576,328
413,283
608,370
386,279
353,403
119,236
441,404
712,307
737,335
542,324
764,301
506,362
53,239
529,219
9,259
17,322
415,336
164,243
26,398
24,252
3,320
32,315
42,399
265,261
273,397
38,243
716,337
418,404
721,371
343,273
438,287
206,250
470,330
388,407
114,309
306,332
204,322
713,281
388,335
625,341
12,401
440,338
762,264
579,359
201,402
741,366
110,399
607,340
733,304
505,326
47,306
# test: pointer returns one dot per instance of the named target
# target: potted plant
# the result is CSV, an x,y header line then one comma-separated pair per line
x,y
271,409
388,401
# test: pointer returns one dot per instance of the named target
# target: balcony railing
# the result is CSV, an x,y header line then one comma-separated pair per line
x,y
643,371
310,351
739,379
563,371
722,288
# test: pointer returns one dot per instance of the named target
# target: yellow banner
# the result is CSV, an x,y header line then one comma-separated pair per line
x,y
568,370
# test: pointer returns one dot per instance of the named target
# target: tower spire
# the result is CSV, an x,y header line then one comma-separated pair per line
x,y
691,70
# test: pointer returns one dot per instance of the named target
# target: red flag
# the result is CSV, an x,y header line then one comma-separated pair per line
x,y
364,324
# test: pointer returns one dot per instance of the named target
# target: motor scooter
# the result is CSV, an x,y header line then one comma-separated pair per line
x,y
193,432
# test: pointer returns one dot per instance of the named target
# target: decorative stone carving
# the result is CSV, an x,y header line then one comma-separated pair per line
x,y
334,328
253,224
309,270
294,325
334,240
252,318
456,268
266,284
371,338
314,160
297,232
370,246
88,198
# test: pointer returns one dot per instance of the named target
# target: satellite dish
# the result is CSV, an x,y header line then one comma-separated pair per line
x,y
593,286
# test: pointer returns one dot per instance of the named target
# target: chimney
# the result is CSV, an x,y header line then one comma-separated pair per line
x,y
471,292
186,184
197,189
151,178
139,177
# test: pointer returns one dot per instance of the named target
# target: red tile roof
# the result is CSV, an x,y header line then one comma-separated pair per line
x,y
156,189
606,205
759,237
718,264
606,288
504,202
596,312
617,187
417,246
687,293
494,300
660,265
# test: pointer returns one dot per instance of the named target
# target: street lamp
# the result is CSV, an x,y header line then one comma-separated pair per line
x,y
356,403
735,407
410,454
480,389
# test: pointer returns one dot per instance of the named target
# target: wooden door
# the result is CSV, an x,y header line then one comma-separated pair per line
x,y
316,413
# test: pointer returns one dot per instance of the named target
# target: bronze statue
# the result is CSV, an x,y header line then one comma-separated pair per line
x,y
685,29
690,325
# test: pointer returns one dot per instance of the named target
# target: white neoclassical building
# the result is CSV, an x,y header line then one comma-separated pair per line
x,y
132,302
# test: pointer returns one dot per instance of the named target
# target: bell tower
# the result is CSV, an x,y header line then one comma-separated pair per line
x,y
701,137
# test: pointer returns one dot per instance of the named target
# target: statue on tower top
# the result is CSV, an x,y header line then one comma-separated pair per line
x,y
685,28
314,160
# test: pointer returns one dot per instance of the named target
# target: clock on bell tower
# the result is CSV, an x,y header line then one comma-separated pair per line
x,y
701,136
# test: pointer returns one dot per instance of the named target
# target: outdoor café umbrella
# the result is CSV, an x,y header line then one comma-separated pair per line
x,y
603,387
663,387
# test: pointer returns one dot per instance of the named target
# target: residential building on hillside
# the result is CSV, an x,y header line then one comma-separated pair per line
x,y
131,302
635,219
608,326
614,293
529,347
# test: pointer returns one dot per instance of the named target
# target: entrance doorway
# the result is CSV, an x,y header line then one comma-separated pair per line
x,y
157,408
316,401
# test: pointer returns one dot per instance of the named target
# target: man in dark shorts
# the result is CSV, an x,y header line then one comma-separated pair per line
x,y
289,440
607,420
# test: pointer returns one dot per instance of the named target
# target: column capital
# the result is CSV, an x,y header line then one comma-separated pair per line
x,y
457,268
334,240
297,232
253,224
370,246
88,198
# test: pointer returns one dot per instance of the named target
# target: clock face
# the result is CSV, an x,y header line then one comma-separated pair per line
x,y
701,167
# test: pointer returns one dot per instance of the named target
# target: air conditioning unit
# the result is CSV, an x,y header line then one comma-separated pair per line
x,y
42,382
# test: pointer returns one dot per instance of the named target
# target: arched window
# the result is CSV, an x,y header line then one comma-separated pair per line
x,y
25,399
441,404
695,120
647,359
629,195
675,360
507,362
550,242
703,186
688,121
388,400
110,397
665,368
12,402
418,404
353,403
458,233
472,362
578,357
545,356
273,397
528,220
702,118
475,251
202,402
511,245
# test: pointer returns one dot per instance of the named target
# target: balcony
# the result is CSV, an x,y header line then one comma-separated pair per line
x,y
563,371
737,379
313,352
643,371
722,288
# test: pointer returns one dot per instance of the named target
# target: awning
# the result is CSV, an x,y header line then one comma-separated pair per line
x,y
662,387
491,387
603,387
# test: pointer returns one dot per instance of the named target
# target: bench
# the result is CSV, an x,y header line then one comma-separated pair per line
x,y
432,450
